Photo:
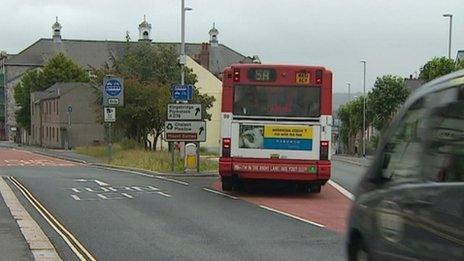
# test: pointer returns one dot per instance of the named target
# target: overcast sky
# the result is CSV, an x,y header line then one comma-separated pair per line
x,y
394,36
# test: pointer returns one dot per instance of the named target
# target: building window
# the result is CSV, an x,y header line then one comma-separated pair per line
x,y
53,133
57,135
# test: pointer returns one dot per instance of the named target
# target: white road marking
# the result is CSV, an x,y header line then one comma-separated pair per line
x,y
164,194
172,180
128,188
137,188
75,190
89,189
342,190
127,195
75,197
112,189
80,180
102,196
152,188
220,193
101,183
104,189
148,175
292,216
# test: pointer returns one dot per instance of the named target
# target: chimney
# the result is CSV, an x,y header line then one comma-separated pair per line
x,y
204,55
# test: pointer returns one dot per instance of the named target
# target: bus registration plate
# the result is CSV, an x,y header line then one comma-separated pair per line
x,y
302,77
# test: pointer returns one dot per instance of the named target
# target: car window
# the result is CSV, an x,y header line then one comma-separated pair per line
x,y
401,155
444,157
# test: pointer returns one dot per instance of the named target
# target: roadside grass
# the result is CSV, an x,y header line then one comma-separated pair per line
x,y
140,158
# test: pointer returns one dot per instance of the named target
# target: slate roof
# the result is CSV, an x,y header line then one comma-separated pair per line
x,y
58,89
94,53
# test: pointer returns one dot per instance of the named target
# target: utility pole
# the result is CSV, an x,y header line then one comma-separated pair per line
x,y
450,30
349,91
364,111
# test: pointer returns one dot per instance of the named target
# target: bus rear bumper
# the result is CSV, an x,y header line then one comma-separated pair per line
x,y
275,169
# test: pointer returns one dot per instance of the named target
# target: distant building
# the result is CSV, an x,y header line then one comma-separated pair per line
x,y
413,83
64,114
92,54
460,56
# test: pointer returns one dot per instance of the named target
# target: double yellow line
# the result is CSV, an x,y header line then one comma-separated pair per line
x,y
81,252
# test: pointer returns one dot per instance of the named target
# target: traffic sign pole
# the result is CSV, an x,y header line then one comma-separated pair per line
x,y
110,145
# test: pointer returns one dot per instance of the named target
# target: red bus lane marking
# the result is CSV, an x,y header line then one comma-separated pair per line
x,y
329,208
19,158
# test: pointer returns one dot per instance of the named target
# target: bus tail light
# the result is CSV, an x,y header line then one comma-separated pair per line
x,y
318,76
236,75
226,147
324,151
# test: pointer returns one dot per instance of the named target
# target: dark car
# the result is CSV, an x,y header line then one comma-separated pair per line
x,y
410,203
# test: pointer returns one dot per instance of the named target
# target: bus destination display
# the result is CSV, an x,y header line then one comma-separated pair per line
x,y
261,75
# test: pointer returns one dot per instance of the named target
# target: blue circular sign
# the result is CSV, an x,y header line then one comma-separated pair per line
x,y
113,87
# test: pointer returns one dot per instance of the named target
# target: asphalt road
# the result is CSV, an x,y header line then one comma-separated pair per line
x,y
123,216
347,175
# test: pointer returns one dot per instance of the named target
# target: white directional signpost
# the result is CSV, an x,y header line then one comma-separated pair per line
x,y
185,131
113,96
184,120
184,111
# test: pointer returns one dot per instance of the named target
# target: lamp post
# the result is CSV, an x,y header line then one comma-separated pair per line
x,y
450,29
349,90
183,59
364,111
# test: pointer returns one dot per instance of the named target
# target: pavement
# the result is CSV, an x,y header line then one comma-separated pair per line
x,y
13,244
360,161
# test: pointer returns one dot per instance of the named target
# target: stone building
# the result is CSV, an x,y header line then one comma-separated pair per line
x,y
91,54
66,115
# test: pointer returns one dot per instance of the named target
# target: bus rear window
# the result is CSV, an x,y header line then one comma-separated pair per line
x,y
279,101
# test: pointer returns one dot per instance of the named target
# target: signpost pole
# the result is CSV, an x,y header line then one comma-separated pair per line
x,y
110,145
68,133
172,155
198,157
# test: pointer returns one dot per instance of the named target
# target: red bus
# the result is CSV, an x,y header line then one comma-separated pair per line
x,y
276,125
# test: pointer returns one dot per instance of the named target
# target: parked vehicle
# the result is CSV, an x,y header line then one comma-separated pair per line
x,y
410,203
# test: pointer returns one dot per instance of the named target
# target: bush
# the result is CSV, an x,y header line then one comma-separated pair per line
x,y
128,144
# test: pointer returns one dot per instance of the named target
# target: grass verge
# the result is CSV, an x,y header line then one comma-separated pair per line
x,y
140,158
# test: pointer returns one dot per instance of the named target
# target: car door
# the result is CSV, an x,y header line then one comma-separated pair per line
x,y
418,210
398,168
441,203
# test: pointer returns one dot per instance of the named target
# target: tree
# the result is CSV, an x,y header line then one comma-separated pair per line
x,y
437,67
148,72
388,94
351,117
59,68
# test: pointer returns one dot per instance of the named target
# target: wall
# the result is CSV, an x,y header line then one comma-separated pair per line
x,y
209,84
85,130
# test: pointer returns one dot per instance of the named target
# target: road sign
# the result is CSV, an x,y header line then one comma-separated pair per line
x,y
113,91
185,131
184,111
110,114
182,92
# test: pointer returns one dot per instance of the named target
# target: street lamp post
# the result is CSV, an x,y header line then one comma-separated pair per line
x,y
349,90
364,111
450,30
183,59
